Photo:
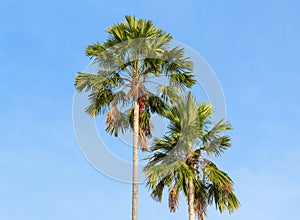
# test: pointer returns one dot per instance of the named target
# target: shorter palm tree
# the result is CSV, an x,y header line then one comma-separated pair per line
x,y
178,160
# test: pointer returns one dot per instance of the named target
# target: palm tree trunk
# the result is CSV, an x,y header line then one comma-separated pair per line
x,y
191,199
135,161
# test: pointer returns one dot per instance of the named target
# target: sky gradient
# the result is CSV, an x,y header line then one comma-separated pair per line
x,y
253,48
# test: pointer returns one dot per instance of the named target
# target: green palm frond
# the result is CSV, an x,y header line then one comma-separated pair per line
x,y
214,140
168,93
220,188
215,175
100,102
121,98
94,49
223,200
205,111
217,145
156,104
86,81
89,81
184,79
145,123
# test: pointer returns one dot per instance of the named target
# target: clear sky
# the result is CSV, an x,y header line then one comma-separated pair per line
x,y
253,46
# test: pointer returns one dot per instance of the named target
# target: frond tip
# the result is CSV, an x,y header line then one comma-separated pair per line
x,y
94,49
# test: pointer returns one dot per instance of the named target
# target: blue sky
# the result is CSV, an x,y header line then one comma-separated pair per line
x,y
253,46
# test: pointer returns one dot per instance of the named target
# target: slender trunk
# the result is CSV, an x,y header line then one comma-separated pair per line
x,y
191,199
191,192
135,160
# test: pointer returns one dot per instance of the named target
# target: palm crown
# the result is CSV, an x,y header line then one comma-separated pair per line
x,y
135,53
178,159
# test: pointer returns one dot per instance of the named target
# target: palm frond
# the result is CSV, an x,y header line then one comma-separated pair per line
x,y
156,104
183,79
214,140
87,81
94,49
116,121
100,102
168,93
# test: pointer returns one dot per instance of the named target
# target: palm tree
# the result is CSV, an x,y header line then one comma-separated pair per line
x,y
135,53
178,160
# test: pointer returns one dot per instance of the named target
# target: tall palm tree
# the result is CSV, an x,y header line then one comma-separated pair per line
x,y
135,53
179,162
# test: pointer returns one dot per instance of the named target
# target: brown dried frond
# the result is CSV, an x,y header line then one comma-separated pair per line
x,y
173,199
200,209
142,91
137,91
191,161
196,154
143,143
112,116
